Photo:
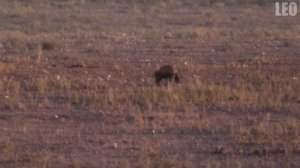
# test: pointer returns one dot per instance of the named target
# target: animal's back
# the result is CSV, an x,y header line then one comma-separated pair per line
x,y
166,69
166,72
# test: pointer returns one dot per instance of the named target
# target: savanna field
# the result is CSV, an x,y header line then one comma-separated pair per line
x,y
77,87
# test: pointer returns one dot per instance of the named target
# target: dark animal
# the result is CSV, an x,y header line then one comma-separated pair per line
x,y
166,72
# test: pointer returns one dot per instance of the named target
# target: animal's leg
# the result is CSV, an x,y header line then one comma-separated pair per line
x,y
157,81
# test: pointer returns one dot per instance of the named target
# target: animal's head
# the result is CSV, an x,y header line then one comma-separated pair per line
x,y
157,77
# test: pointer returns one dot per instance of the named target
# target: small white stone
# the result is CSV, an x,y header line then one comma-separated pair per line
x,y
115,145
169,34
45,71
153,131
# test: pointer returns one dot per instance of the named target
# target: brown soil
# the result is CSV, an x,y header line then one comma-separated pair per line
x,y
77,87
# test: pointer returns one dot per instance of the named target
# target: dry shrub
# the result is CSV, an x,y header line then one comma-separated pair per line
x,y
14,41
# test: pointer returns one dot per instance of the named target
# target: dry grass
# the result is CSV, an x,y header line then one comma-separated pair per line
x,y
259,90
77,87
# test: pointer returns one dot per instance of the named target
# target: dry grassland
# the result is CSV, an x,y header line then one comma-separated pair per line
x,y
77,86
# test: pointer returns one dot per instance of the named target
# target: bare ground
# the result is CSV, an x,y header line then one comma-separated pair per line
x,y
77,86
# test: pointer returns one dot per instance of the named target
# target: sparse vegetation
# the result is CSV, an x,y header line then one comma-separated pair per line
x,y
77,86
